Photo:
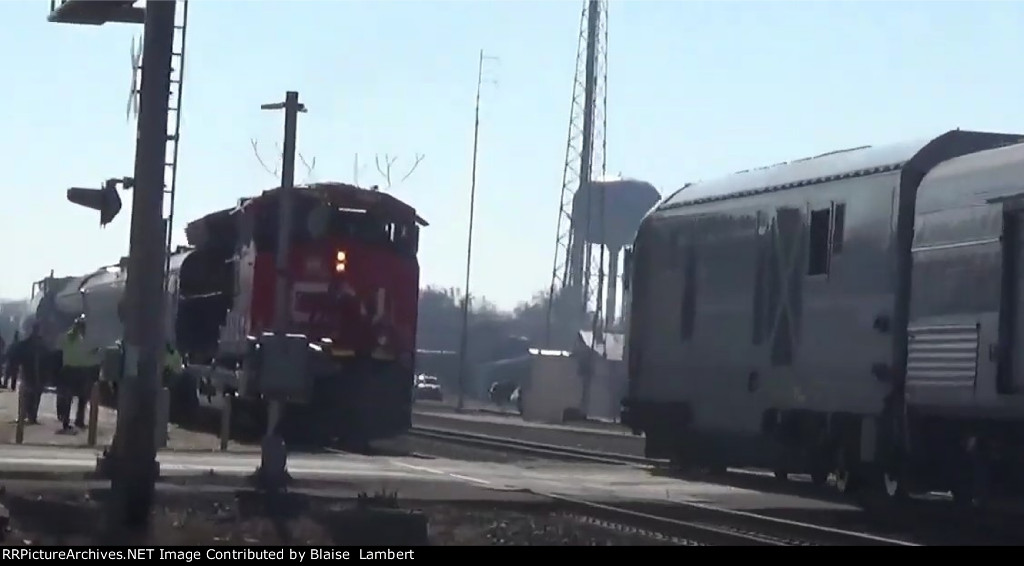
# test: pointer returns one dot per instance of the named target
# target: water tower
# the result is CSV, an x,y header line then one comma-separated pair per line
x,y
605,213
594,214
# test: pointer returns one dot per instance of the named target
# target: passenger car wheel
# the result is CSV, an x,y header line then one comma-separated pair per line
x,y
894,486
847,480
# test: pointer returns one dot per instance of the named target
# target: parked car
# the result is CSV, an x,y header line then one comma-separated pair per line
x,y
428,388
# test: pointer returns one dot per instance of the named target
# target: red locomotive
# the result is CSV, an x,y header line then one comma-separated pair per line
x,y
354,291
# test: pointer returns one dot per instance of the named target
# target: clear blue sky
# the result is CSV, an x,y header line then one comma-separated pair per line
x,y
695,90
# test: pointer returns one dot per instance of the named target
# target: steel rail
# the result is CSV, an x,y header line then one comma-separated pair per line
x,y
703,524
529,447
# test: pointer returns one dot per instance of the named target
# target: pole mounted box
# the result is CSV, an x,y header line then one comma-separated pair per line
x,y
280,367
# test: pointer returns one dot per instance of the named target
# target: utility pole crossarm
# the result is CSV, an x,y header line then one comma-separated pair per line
x,y
282,106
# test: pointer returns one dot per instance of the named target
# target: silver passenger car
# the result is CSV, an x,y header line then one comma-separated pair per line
x,y
769,311
965,371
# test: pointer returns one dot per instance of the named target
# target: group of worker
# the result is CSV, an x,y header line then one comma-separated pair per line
x,y
74,367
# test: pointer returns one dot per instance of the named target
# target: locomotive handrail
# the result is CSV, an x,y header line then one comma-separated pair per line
x,y
205,295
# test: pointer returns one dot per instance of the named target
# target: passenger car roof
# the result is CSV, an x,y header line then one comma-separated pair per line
x,y
854,162
975,178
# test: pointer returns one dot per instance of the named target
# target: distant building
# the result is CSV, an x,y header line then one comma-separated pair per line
x,y
607,372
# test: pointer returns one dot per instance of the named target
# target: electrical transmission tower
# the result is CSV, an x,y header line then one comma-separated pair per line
x,y
578,270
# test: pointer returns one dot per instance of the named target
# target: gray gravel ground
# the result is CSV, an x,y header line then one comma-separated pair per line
x,y
76,517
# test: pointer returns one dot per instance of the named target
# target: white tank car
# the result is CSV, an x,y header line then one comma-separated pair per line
x,y
102,293
68,300
770,308
103,302
53,307
172,296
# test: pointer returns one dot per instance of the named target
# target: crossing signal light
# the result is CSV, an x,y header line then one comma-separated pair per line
x,y
105,200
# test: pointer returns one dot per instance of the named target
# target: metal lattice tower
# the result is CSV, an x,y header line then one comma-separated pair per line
x,y
174,127
577,273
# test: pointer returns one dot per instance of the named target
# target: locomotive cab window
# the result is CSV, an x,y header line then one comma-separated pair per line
x,y
404,237
313,222
264,223
377,230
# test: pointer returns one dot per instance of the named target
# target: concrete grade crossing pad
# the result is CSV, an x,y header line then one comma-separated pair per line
x,y
45,433
611,483
15,458
597,482
442,480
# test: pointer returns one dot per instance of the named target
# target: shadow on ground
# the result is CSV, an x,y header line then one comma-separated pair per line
x,y
65,517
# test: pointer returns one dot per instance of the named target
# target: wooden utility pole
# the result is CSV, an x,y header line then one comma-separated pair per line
x,y
464,337
134,469
273,461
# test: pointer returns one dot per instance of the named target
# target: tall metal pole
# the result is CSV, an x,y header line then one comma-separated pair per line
x,y
274,455
291,108
464,338
134,448
582,234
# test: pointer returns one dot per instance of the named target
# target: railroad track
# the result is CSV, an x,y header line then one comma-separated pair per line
x,y
694,524
529,448
684,523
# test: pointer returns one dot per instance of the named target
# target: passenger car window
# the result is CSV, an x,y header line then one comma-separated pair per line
x,y
825,240
818,251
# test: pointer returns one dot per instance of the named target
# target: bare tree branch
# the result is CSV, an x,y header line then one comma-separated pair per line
x,y
385,169
419,159
309,165
385,166
263,164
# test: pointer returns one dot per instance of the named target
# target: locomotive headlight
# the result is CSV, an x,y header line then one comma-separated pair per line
x,y
340,259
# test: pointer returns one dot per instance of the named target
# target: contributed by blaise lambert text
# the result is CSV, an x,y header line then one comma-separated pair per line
x,y
196,554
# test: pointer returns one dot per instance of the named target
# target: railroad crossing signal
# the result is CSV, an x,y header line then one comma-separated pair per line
x,y
105,200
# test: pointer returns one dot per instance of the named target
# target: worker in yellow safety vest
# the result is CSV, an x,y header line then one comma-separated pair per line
x,y
172,365
79,363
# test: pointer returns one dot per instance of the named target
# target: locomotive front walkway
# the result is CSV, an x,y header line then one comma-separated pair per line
x,y
45,433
